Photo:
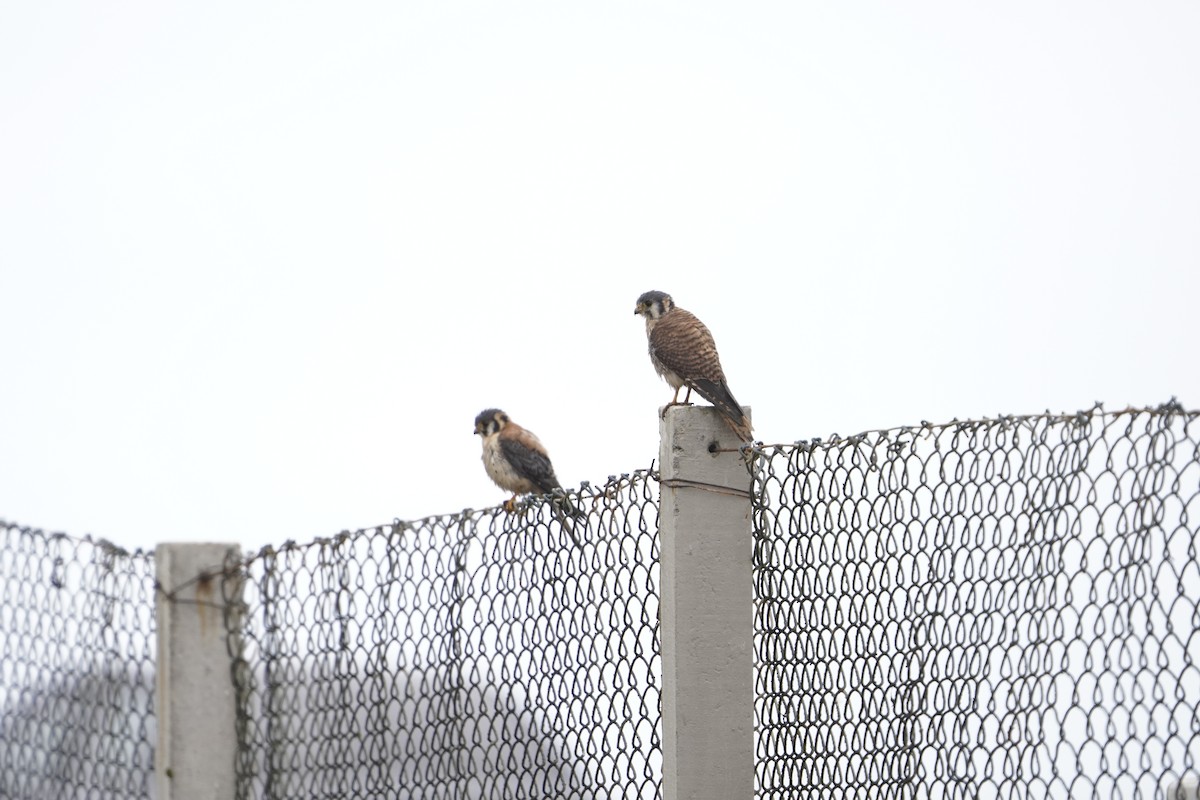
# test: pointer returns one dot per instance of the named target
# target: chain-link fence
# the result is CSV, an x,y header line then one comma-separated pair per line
x,y
77,648
1007,609
481,655
997,609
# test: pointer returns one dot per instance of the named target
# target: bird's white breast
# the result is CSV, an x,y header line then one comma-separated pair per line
x,y
499,469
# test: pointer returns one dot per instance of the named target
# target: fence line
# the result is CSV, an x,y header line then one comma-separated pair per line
x,y
472,655
995,608
77,654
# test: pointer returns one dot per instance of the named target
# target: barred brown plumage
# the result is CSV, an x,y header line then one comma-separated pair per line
x,y
684,353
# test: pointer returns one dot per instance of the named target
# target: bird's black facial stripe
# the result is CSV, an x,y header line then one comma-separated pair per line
x,y
489,420
654,304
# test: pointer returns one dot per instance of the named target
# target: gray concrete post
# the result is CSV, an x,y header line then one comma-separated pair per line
x,y
1186,789
706,609
194,700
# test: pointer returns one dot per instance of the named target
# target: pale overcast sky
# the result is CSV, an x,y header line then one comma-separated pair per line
x,y
261,264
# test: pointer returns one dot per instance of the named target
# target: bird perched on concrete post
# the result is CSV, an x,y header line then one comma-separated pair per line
x,y
684,353
517,462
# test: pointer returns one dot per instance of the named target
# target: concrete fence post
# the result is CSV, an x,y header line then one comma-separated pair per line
x,y
194,699
1185,789
706,609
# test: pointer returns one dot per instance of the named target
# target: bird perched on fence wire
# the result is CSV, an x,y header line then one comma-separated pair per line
x,y
517,461
684,353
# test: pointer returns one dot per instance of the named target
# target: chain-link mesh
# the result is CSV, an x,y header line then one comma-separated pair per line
x,y
998,609
76,668
480,655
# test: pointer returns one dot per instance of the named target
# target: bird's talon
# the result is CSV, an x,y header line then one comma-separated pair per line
x,y
663,413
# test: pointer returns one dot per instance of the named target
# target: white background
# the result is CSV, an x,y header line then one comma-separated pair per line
x,y
262,264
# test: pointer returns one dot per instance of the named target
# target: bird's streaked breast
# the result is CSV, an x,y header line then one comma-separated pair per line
x,y
500,470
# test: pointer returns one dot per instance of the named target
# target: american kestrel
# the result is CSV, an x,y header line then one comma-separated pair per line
x,y
517,461
684,353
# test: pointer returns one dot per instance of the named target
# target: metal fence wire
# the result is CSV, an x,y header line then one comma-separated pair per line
x,y
1007,608
997,609
77,650
479,655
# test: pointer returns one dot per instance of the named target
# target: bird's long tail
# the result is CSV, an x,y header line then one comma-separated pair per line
x,y
566,512
719,395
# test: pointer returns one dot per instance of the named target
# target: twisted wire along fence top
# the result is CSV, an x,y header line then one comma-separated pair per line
x,y
76,667
482,654
999,608
995,608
